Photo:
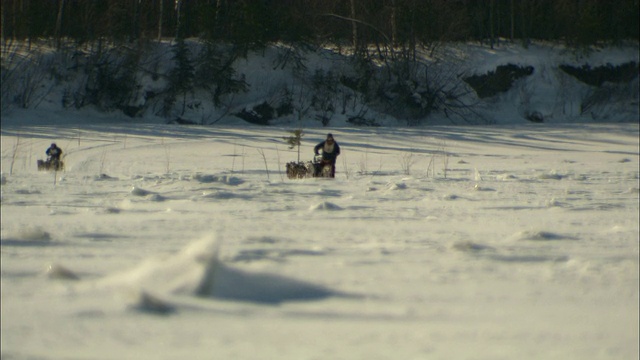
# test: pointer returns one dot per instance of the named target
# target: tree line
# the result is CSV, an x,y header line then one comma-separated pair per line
x,y
356,23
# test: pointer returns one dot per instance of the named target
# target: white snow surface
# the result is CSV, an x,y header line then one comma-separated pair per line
x,y
513,241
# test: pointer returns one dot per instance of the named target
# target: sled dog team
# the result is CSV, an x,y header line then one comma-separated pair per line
x,y
329,147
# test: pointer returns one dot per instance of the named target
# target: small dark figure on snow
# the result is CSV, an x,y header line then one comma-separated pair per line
x,y
330,152
54,153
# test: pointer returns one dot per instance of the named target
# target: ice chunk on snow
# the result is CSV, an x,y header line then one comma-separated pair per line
x,y
197,271
325,205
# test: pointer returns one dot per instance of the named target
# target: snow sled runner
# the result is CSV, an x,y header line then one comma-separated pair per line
x,y
55,165
315,168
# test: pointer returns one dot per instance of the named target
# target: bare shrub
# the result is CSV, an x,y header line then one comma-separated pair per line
x,y
363,164
347,169
441,154
414,90
264,158
24,77
406,162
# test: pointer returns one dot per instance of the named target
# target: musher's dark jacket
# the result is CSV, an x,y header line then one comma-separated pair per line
x,y
329,153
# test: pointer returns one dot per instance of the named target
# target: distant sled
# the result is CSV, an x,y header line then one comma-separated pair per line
x,y
55,165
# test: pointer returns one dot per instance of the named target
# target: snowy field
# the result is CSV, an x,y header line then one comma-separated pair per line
x,y
168,242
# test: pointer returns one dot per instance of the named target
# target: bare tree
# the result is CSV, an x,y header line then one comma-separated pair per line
x,y
58,30
492,5
394,25
512,20
178,6
160,10
2,20
354,25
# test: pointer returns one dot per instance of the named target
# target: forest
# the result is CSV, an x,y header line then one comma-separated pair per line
x,y
170,58
356,23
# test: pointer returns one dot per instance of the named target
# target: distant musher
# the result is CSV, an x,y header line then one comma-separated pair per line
x,y
54,159
330,152
54,153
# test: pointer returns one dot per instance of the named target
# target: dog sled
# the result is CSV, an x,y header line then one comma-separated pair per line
x,y
308,169
50,165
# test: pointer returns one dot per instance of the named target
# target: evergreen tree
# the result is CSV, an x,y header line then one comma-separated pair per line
x,y
295,140
181,77
215,72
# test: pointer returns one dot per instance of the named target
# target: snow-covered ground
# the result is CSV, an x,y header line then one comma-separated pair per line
x,y
436,243
510,241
